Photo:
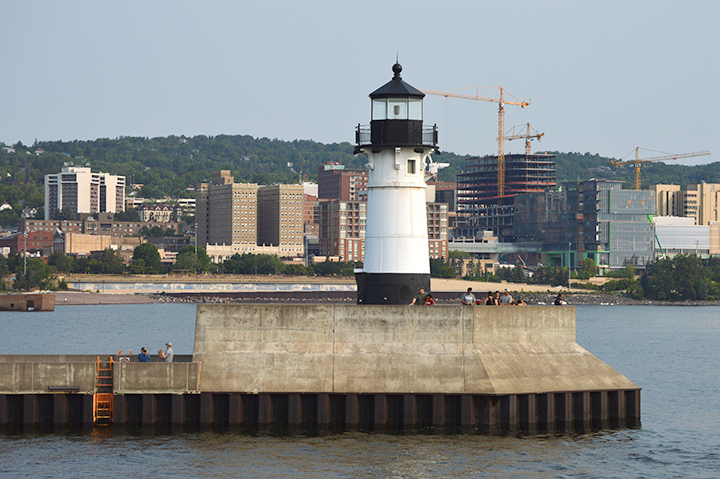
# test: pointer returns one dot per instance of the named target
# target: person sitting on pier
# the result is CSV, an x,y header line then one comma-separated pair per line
x,y
468,298
560,300
143,357
429,301
168,353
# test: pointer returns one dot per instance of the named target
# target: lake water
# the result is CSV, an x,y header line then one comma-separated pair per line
x,y
671,352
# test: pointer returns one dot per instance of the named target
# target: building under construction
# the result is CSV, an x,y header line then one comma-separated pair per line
x,y
481,205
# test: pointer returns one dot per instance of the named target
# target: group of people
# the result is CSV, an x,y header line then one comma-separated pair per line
x,y
469,299
423,299
165,356
492,299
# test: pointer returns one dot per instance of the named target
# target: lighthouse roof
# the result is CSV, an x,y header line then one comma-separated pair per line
x,y
397,87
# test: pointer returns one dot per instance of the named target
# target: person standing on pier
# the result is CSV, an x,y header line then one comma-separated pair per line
x,y
419,299
490,300
168,353
506,299
468,298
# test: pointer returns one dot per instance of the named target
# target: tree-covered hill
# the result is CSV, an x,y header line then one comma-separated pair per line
x,y
172,166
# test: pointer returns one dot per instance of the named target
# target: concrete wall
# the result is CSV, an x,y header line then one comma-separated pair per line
x,y
395,349
23,301
146,378
19,378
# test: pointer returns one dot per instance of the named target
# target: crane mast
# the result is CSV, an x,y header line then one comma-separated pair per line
x,y
501,122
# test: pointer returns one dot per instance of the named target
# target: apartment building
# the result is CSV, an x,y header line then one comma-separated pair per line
x,y
226,213
280,218
79,190
337,183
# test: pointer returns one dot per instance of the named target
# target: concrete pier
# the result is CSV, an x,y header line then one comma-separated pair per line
x,y
323,368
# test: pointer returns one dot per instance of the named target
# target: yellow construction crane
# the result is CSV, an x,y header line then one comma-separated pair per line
x,y
529,134
637,161
501,122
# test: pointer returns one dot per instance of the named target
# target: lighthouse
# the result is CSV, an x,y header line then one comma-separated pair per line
x,y
398,149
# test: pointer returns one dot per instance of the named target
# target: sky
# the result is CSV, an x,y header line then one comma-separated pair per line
x,y
602,77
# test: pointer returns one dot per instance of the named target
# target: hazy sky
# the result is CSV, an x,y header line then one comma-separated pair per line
x,y
602,77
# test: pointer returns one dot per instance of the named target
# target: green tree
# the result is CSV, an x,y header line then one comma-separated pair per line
x,y
4,271
440,269
109,262
680,278
61,261
128,215
187,260
150,257
37,275
8,218
587,270
156,231
295,269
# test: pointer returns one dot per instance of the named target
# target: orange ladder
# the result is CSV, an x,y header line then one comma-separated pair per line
x,y
103,398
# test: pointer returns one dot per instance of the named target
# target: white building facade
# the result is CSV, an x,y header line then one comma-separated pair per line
x,y
79,190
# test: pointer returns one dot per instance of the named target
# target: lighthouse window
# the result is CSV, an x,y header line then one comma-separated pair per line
x,y
379,109
414,109
411,167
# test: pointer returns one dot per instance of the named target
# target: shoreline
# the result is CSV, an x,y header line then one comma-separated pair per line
x,y
79,298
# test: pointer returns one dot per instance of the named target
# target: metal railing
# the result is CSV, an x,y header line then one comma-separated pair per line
x,y
363,136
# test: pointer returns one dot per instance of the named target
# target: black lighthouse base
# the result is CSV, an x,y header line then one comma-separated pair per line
x,y
389,288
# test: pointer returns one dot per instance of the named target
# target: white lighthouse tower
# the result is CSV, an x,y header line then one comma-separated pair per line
x,y
398,149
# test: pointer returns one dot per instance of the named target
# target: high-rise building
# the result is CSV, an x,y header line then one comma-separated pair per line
x,y
226,213
79,190
337,183
280,218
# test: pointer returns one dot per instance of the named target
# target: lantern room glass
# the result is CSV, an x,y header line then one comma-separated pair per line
x,y
397,109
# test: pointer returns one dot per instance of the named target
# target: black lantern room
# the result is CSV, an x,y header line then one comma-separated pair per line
x,y
397,114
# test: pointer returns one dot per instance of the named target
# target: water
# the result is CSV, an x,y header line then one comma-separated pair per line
x,y
671,352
